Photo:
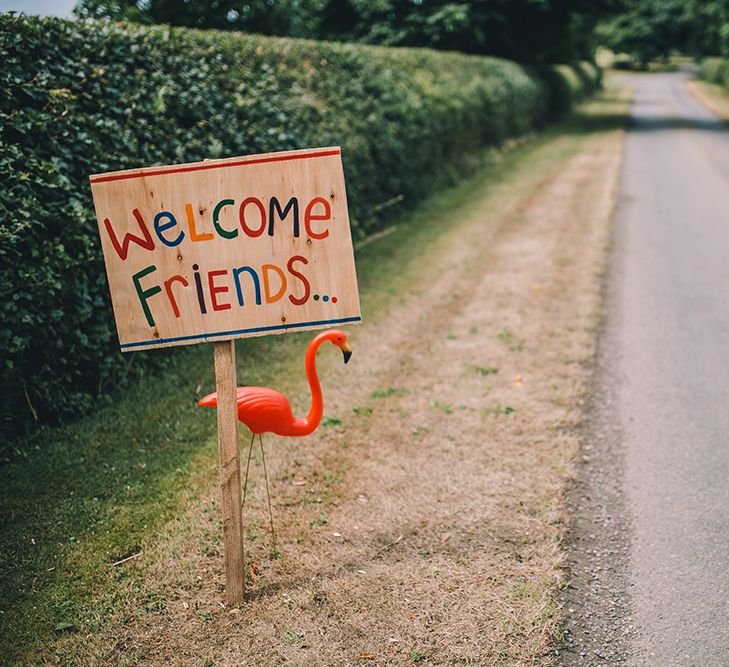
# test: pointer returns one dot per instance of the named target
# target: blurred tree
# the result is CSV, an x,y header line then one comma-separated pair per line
x,y
269,17
525,30
648,29
537,31
709,27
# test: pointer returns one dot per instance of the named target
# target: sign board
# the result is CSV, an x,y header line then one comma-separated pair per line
x,y
222,249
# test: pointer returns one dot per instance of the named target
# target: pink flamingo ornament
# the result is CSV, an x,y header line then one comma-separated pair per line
x,y
264,410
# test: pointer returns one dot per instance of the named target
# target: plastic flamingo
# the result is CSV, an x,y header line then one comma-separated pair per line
x,y
264,410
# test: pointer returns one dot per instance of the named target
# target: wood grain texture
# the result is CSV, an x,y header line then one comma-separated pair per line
x,y
190,197
225,380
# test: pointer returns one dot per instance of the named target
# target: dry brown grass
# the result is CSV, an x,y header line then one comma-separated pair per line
x,y
426,527
711,96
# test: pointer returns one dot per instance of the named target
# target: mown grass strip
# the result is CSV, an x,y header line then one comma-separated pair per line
x,y
90,494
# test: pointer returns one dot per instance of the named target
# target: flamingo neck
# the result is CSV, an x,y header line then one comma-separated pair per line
x,y
310,423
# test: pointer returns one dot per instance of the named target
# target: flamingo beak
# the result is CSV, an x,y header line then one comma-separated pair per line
x,y
346,352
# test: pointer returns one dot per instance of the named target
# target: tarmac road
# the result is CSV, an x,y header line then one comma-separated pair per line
x,y
648,547
670,316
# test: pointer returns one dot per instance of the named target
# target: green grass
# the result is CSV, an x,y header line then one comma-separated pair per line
x,y
74,500
320,520
417,655
389,392
515,344
713,96
497,410
483,370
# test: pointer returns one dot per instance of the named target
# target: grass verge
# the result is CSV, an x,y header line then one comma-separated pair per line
x,y
86,496
714,97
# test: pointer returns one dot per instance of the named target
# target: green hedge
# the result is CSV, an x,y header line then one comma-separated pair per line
x,y
568,84
715,70
82,97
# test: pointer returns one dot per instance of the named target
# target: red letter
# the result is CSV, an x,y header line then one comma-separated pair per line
x,y
123,250
242,215
302,278
309,216
170,296
217,290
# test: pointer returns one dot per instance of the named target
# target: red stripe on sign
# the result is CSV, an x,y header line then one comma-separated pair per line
x,y
200,167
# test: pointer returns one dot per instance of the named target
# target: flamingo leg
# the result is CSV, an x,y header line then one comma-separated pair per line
x,y
248,466
268,495
243,502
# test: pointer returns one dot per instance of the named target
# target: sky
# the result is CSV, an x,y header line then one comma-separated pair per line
x,y
42,7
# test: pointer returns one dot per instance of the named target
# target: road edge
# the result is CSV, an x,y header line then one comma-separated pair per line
x,y
595,602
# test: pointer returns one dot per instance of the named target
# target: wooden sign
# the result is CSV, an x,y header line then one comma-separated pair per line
x,y
223,249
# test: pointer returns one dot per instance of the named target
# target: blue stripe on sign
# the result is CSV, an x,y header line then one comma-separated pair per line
x,y
218,334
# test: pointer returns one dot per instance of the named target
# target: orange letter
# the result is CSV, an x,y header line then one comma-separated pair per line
x,y
170,296
193,232
309,216
267,286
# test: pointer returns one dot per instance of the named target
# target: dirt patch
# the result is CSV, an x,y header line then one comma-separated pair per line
x,y
423,523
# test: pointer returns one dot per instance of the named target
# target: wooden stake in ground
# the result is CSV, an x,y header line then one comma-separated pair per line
x,y
162,296
225,385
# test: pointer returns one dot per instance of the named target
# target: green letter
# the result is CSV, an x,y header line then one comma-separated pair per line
x,y
145,294
226,234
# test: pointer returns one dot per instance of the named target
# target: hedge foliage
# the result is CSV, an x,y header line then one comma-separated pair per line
x,y
715,70
85,97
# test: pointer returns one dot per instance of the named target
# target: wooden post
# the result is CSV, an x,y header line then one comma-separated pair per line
x,y
225,382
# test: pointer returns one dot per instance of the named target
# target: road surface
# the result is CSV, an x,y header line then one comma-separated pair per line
x,y
665,355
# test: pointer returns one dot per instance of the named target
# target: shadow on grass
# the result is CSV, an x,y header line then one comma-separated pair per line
x,y
609,115
586,121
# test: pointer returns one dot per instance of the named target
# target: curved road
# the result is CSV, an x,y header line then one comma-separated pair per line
x,y
669,312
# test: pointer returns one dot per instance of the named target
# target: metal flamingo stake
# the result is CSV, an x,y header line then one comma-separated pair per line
x,y
265,410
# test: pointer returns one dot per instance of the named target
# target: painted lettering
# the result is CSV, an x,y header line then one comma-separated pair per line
x,y
199,289
253,233
309,215
266,269
143,294
170,295
299,301
217,289
171,222
225,233
256,284
123,250
194,236
275,207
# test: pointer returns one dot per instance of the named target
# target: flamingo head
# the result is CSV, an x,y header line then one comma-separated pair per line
x,y
339,338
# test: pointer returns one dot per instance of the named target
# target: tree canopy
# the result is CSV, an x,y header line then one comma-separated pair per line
x,y
268,17
532,31
652,29
524,30
709,27
647,30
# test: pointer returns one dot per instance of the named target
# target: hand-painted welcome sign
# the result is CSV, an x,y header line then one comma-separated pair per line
x,y
227,248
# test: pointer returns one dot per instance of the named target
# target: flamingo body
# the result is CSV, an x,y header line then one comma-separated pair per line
x,y
265,410
261,409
